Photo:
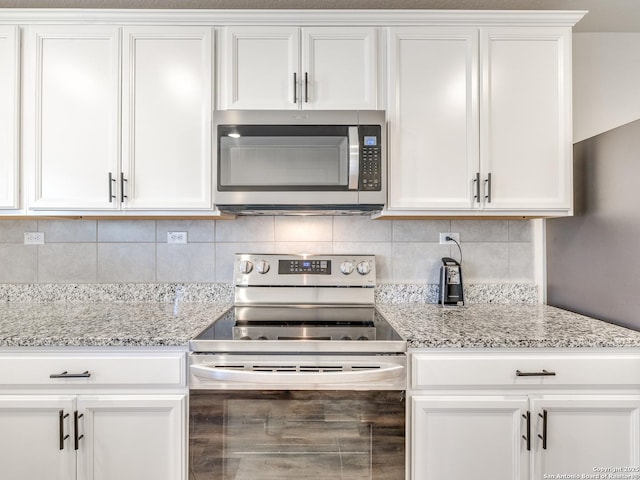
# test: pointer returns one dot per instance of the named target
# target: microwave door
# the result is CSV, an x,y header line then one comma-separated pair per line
x,y
288,158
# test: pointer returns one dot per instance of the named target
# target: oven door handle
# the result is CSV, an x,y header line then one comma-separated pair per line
x,y
269,376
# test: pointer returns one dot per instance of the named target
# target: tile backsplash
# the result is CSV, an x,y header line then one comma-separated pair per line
x,y
136,251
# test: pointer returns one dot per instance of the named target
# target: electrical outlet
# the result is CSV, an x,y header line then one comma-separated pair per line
x,y
176,237
455,236
33,238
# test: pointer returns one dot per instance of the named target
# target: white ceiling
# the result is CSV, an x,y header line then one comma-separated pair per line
x,y
603,16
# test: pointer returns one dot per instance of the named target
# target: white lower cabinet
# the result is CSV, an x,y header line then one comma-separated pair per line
x,y
92,437
131,437
32,442
586,435
471,436
531,415
87,428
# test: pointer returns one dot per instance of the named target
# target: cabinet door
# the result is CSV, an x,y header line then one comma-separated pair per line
x,y
35,441
339,68
585,433
167,109
9,115
260,68
468,437
72,115
132,437
433,118
526,118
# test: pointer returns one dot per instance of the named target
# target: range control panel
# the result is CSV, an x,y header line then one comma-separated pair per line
x,y
304,270
303,266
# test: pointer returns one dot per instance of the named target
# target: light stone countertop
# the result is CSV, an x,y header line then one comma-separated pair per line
x,y
502,326
104,324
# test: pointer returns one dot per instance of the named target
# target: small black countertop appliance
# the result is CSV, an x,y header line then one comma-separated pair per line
x,y
451,289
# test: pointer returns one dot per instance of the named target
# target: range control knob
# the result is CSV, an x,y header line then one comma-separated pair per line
x,y
364,268
346,337
262,267
347,268
245,266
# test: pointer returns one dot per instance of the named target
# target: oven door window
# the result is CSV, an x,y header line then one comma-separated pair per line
x,y
320,435
277,157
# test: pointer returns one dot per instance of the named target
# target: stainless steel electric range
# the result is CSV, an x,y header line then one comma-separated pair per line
x,y
302,376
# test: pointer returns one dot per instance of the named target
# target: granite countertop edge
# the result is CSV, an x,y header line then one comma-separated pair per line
x,y
156,324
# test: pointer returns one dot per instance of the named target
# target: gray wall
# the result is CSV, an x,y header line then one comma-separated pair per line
x,y
407,251
593,258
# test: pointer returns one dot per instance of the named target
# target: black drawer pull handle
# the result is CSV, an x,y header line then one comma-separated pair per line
x,y
66,374
543,373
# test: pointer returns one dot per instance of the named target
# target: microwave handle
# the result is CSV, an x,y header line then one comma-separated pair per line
x,y
354,158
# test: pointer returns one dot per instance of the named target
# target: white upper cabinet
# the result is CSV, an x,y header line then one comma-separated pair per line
x,y
292,68
258,66
72,100
480,121
9,117
526,118
167,92
339,68
433,117
119,129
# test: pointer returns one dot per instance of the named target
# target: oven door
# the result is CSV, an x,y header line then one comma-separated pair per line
x,y
268,417
296,434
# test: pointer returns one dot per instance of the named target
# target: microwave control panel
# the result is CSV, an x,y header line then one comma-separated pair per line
x,y
370,158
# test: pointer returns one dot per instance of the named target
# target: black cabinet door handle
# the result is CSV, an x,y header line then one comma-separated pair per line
x,y
63,437
476,181
487,193
527,437
76,436
122,180
295,87
111,182
543,437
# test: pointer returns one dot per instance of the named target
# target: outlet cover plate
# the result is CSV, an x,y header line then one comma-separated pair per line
x,y
176,237
34,238
456,236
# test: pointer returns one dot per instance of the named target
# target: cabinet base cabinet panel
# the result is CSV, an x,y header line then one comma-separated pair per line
x,y
471,437
30,438
132,437
586,436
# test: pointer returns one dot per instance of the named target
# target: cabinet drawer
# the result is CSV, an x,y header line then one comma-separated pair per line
x,y
152,369
449,370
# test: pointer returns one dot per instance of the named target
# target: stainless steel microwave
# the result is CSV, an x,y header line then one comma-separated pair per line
x,y
288,162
